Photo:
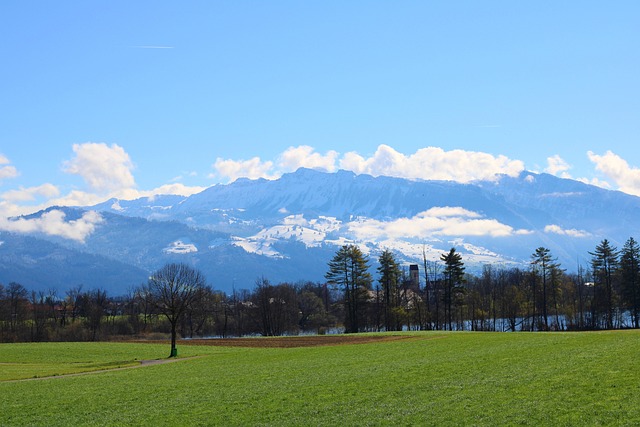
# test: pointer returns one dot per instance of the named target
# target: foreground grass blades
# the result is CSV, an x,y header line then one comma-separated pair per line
x,y
432,379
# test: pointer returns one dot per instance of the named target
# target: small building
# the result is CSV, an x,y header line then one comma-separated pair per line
x,y
414,277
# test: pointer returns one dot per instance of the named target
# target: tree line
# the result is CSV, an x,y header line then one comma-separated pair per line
x,y
175,301
440,295
542,297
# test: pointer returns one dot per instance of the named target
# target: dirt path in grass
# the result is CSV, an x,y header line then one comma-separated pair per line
x,y
141,364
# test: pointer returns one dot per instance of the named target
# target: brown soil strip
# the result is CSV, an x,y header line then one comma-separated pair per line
x,y
297,341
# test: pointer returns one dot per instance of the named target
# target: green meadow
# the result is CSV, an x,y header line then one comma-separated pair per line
x,y
430,378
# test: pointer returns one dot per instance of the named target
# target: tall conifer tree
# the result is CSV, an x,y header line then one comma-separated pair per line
x,y
453,278
630,276
349,269
604,262
545,269
390,277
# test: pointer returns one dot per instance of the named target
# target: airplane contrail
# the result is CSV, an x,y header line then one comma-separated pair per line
x,y
152,47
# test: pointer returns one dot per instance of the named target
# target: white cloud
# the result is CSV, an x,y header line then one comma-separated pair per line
x,y
305,156
438,221
104,168
8,210
116,206
74,198
595,181
28,194
448,211
290,160
181,177
253,168
12,202
7,171
53,223
558,167
108,172
433,163
427,163
177,189
83,198
556,229
617,169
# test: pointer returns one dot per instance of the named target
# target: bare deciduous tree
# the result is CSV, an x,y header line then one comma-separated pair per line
x,y
172,289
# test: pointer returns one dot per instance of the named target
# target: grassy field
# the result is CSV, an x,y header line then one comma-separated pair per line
x,y
428,378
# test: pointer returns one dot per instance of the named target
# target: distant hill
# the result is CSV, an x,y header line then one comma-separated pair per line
x,y
40,265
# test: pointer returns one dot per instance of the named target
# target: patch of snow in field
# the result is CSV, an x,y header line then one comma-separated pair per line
x,y
159,208
325,224
179,247
340,241
295,220
257,247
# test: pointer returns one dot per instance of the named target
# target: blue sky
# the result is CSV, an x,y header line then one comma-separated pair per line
x,y
128,98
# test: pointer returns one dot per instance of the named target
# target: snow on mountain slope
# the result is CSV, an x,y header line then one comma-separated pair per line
x,y
501,218
342,195
157,207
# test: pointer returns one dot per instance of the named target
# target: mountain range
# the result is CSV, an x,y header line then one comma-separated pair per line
x,y
289,228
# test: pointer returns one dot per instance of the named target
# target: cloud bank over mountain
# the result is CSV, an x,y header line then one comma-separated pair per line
x,y
437,221
431,163
107,171
6,169
54,223
614,167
